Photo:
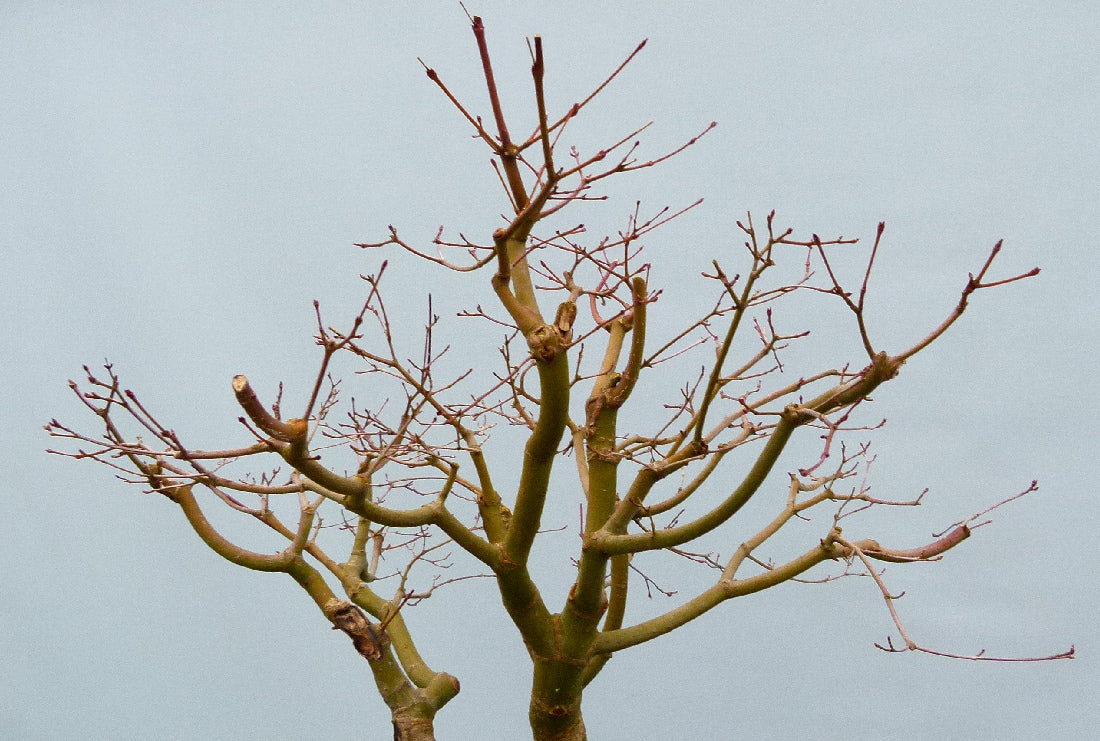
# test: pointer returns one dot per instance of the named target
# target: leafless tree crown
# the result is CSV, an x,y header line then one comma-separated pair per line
x,y
581,327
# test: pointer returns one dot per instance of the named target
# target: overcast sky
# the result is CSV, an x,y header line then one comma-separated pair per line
x,y
178,181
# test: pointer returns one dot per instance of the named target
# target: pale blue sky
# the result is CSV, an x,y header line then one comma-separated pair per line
x,y
178,181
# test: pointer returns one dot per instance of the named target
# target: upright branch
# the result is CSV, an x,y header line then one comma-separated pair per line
x,y
506,150
538,72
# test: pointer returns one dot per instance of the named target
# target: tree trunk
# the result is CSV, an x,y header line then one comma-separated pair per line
x,y
409,728
548,728
555,710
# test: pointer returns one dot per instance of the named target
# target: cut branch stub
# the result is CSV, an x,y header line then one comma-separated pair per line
x,y
367,639
285,431
564,319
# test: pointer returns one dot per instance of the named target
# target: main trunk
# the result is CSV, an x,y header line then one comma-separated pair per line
x,y
555,712
569,726
409,728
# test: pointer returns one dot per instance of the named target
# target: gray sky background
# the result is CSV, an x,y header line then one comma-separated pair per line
x,y
178,181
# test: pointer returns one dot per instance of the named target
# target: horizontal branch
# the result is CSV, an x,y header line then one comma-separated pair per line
x,y
930,552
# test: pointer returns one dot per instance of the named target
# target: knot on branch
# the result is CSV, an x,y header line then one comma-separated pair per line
x,y
174,493
599,401
884,367
604,454
369,640
618,390
546,342
797,414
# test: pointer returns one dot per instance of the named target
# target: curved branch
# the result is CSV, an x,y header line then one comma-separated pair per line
x,y
616,640
183,496
611,544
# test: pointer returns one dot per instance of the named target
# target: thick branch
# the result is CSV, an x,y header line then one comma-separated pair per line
x,y
611,544
228,550
616,640
538,457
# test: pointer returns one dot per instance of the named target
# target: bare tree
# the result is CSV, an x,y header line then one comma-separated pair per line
x,y
413,477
